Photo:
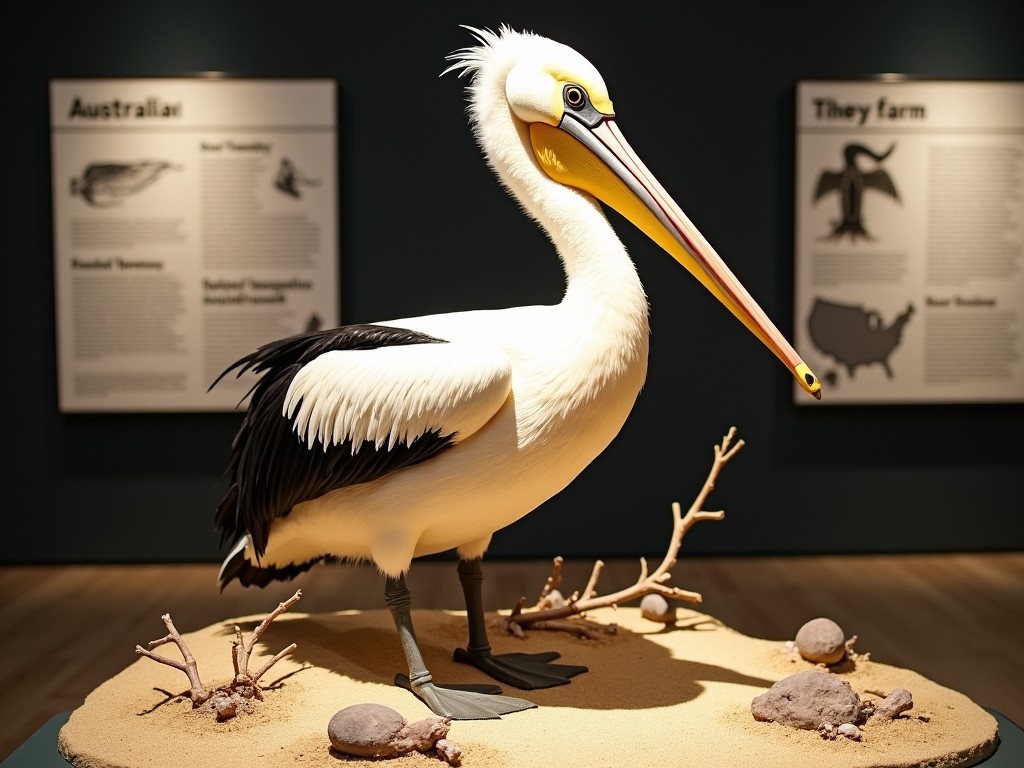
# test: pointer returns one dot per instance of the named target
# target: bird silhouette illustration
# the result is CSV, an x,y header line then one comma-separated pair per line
x,y
106,184
288,178
851,183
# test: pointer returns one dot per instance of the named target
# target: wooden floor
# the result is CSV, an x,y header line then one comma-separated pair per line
x,y
957,619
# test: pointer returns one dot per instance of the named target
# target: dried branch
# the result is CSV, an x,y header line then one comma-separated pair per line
x,y
552,582
277,657
549,614
197,692
241,651
224,699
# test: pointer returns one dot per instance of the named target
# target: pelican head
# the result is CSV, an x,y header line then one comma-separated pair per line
x,y
561,111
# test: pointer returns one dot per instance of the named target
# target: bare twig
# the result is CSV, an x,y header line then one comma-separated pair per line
x,y
224,698
546,616
197,693
591,588
552,582
241,651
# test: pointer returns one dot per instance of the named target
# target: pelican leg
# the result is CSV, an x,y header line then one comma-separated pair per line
x,y
523,670
465,702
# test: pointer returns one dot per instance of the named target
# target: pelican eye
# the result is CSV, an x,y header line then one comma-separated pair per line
x,y
577,104
575,97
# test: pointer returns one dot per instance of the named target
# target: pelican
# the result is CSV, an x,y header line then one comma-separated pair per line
x,y
851,183
105,184
388,441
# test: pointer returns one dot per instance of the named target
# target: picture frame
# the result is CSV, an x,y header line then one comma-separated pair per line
x,y
194,218
909,239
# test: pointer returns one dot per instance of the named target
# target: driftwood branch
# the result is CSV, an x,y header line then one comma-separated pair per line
x,y
241,651
197,692
554,612
225,698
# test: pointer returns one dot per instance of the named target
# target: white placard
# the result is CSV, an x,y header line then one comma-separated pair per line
x,y
910,240
194,219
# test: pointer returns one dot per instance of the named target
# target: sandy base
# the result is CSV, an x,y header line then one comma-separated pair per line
x,y
653,696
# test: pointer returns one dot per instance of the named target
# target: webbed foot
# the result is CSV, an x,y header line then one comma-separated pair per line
x,y
465,702
523,670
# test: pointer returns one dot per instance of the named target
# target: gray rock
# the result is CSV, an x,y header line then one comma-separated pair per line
x,y
365,730
808,699
850,731
373,730
821,641
655,607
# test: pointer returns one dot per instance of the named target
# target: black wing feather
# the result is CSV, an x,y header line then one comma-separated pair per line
x,y
270,468
249,575
828,181
882,181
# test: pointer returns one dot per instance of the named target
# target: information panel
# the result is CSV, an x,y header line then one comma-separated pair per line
x,y
194,219
910,240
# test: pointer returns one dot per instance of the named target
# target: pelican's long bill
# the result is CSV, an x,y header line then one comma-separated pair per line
x,y
586,150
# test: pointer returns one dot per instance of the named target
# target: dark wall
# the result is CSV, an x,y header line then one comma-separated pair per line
x,y
704,92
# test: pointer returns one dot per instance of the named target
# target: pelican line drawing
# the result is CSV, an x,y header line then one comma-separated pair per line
x,y
851,183
105,184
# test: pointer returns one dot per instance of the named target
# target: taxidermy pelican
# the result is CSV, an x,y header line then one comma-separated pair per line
x,y
851,183
388,441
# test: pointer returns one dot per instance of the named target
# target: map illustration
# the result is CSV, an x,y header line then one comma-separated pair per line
x,y
855,336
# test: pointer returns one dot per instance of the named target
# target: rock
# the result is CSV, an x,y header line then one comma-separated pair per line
x,y
897,702
656,608
553,599
225,707
449,752
365,730
808,699
821,641
373,730
850,731
422,735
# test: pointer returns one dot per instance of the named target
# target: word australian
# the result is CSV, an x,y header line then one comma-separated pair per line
x,y
827,108
123,109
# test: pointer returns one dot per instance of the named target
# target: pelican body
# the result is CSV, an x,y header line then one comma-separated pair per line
x,y
392,440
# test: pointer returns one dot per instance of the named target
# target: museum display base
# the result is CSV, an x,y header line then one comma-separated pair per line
x,y
676,695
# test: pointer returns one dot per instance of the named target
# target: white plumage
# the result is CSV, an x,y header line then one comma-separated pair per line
x,y
414,436
395,394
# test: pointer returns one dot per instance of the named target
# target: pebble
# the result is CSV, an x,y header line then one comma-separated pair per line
x,y
893,705
821,641
850,731
655,607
